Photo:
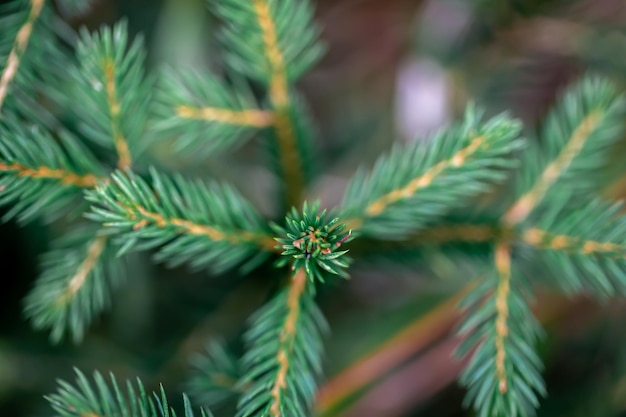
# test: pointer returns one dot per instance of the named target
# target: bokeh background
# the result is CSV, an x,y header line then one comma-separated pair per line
x,y
394,71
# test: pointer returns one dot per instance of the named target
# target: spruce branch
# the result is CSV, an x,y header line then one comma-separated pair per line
x,y
40,175
503,377
415,184
113,91
283,358
22,37
576,139
206,115
75,285
205,225
584,239
275,42
101,398
291,148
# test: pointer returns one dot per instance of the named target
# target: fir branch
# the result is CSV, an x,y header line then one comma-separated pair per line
x,y
279,96
204,225
250,117
275,41
284,354
503,268
43,172
577,136
77,279
586,240
291,148
416,184
40,175
205,114
112,91
106,399
503,376
278,79
20,44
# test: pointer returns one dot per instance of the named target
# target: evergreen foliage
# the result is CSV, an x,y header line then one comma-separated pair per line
x,y
41,175
203,225
283,361
406,199
112,91
75,286
100,398
417,183
205,114
313,243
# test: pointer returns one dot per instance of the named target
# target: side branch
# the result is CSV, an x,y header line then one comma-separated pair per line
x,y
503,268
423,180
278,82
409,190
287,337
145,217
540,239
80,277
253,118
43,172
522,208
121,144
19,47
290,159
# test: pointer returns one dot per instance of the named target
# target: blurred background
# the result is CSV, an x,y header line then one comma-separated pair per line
x,y
394,71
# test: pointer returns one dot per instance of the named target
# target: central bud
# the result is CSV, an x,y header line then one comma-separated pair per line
x,y
313,243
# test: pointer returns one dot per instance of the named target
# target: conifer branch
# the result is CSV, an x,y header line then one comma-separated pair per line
x,y
522,207
75,285
585,239
40,174
503,268
19,47
415,184
121,145
77,281
287,339
101,398
541,239
503,375
576,139
113,92
143,218
204,225
43,172
278,80
292,172
284,354
275,42
205,114
250,118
